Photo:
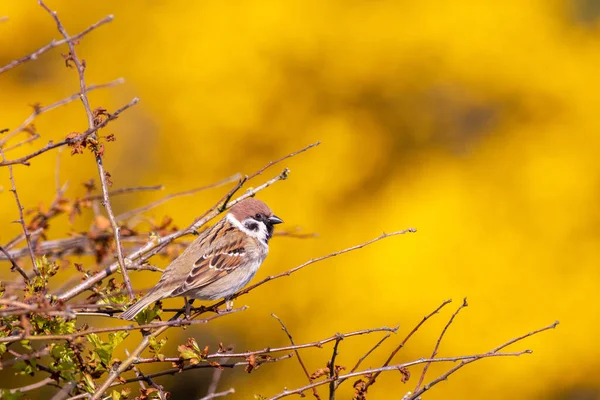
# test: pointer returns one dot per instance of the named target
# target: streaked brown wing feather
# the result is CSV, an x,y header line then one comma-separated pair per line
x,y
213,265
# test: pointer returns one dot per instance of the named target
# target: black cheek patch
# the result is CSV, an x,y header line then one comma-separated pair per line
x,y
253,226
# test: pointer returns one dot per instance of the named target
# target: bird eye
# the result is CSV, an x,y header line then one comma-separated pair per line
x,y
258,216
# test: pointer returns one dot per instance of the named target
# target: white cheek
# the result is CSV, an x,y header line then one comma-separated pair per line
x,y
261,234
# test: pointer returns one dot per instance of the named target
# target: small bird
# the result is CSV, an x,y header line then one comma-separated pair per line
x,y
221,261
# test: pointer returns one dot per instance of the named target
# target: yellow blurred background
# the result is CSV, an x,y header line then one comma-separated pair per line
x,y
475,122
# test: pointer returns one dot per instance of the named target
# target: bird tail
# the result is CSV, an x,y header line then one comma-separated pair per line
x,y
144,302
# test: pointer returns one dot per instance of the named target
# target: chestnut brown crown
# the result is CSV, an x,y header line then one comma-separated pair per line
x,y
250,208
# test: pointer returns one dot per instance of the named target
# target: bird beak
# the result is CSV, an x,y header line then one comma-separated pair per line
x,y
275,220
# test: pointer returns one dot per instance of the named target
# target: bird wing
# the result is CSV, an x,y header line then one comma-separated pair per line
x,y
221,251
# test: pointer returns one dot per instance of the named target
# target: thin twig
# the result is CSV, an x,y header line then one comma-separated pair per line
x,y
314,260
295,153
214,381
15,266
131,213
21,217
367,354
284,328
51,145
33,386
25,357
270,350
126,190
40,110
99,161
159,325
467,360
439,341
219,394
55,43
22,142
173,371
59,191
333,373
147,379
396,367
401,345
130,360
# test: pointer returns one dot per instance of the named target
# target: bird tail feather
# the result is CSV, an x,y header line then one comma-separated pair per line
x,y
144,302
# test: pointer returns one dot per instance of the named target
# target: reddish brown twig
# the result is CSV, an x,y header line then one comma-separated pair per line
x,y
129,214
401,345
367,354
40,110
14,264
468,360
290,155
21,217
80,66
397,367
314,260
439,341
289,335
55,43
51,145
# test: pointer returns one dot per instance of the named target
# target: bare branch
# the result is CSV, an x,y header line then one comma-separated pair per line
x,y
40,110
15,266
171,196
397,367
173,371
401,345
220,394
467,360
284,328
33,386
333,374
55,43
360,360
51,145
99,162
439,341
21,217
22,142
314,260
158,325
295,153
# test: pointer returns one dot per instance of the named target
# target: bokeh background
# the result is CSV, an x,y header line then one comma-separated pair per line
x,y
475,122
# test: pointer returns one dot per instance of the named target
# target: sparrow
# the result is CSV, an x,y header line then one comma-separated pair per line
x,y
221,261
